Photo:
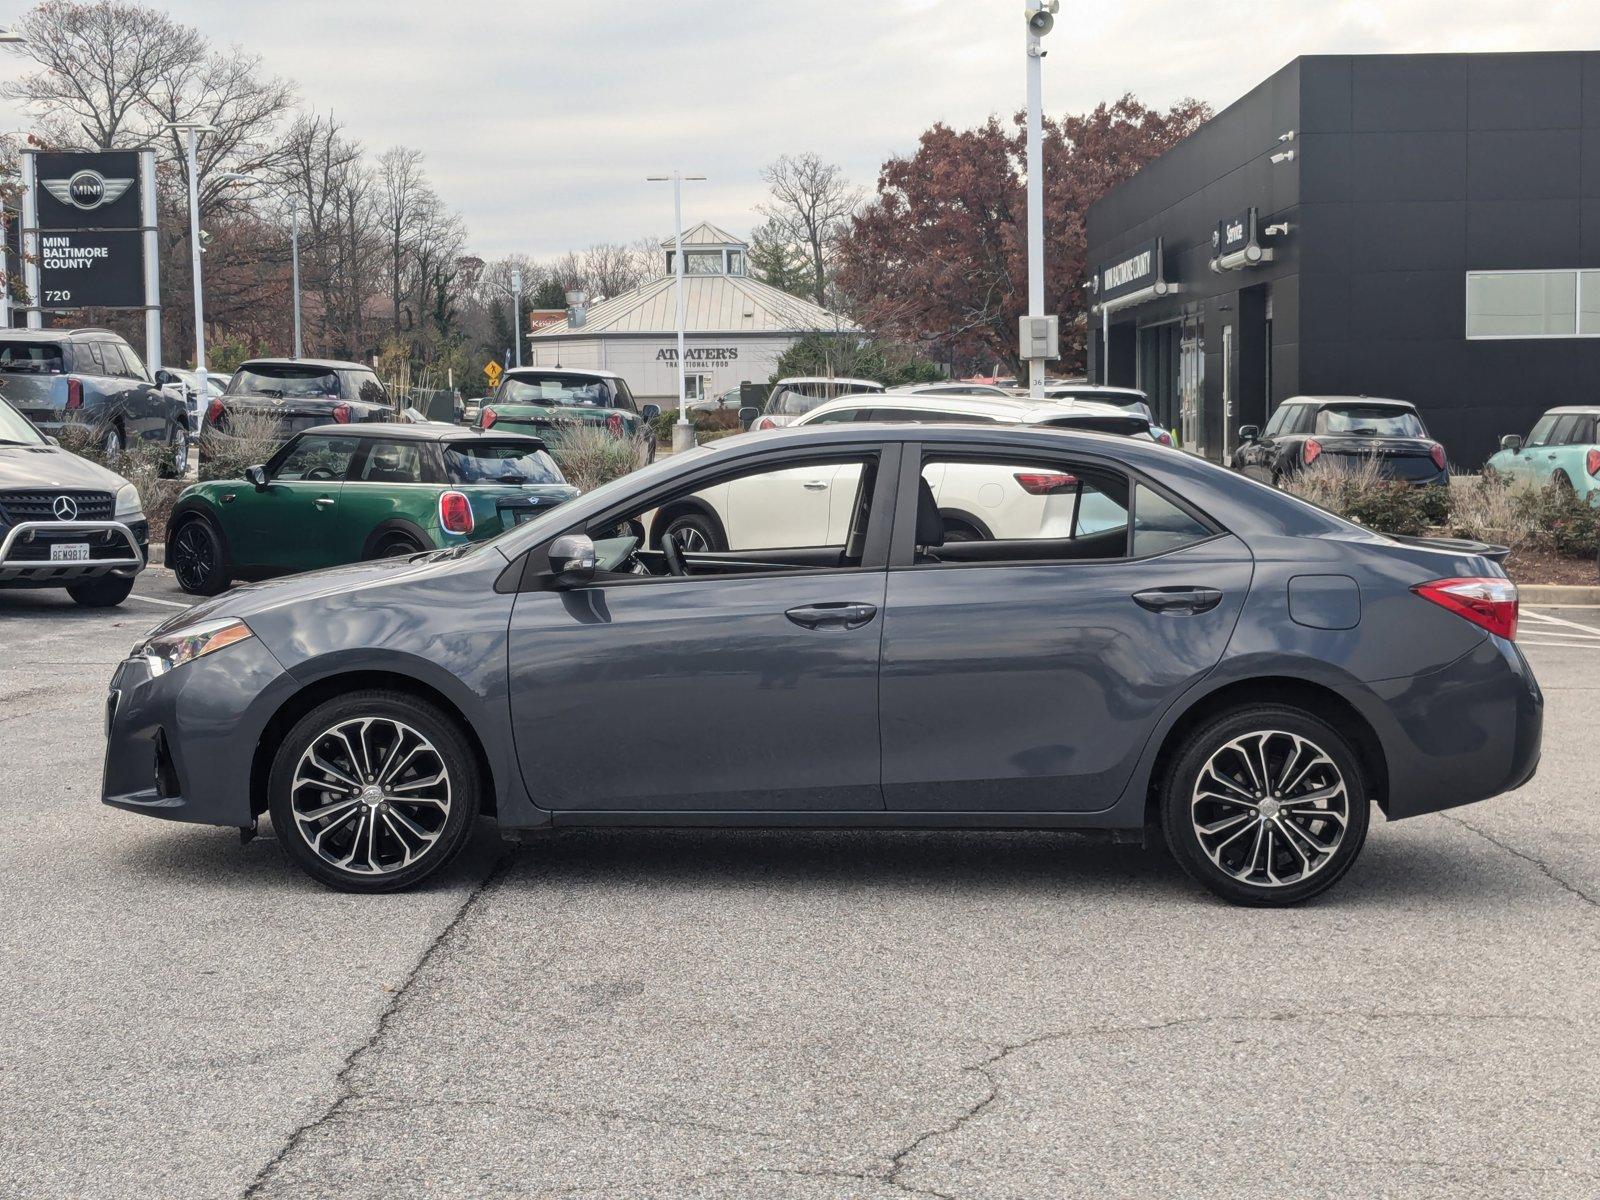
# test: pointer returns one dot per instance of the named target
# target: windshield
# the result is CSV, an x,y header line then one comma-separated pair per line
x,y
499,462
286,382
556,391
1370,421
31,357
14,428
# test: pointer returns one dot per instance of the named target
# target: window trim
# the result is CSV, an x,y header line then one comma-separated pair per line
x,y
902,553
1577,333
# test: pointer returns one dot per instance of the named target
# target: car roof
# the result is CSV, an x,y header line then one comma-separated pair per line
x,y
870,383
57,335
1107,389
1020,410
512,372
1582,410
1378,401
421,431
331,363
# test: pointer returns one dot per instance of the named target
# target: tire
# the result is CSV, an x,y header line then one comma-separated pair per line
x,y
1211,784
696,533
1562,484
957,530
197,558
101,593
112,442
395,545
381,836
177,466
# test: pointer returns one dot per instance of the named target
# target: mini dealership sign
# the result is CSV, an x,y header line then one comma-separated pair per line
x,y
1139,269
89,235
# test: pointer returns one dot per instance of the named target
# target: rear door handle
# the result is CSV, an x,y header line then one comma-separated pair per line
x,y
1178,599
832,616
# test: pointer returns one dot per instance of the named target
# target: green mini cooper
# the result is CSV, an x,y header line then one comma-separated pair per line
x,y
339,493
543,400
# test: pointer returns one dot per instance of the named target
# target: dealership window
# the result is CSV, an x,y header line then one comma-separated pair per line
x,y
1533,304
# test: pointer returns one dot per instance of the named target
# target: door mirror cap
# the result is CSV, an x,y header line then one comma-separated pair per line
x,y
1511,441
650,412
256,477
1249,433
572,560
747,416
164,377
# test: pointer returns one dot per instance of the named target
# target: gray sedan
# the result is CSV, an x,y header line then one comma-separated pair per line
x,y
1224,664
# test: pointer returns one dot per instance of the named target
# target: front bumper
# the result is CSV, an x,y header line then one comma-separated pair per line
x,y
181,745
115,548
1463,733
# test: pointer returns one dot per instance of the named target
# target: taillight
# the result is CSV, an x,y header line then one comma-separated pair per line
x,y
614,424
1436,452
1045,483
341,413
1591,462
74,393
487,418
1164,438
1312,450
214,412
1487,602
455,513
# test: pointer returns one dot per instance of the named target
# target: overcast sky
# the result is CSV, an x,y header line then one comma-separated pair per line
x,y
541,118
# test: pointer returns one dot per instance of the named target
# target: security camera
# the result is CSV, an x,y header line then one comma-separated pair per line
x,y
1041,16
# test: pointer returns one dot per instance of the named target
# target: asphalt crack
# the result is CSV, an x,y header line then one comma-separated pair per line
x,y
344,1092
1544,868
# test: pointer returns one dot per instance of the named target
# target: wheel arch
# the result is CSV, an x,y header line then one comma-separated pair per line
x,y
328,687
1314,697
391,525
682,507
962,516
195,508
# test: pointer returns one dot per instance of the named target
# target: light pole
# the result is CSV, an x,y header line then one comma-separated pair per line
x,y
516,308
294,271
193,130
8,37
1041,17
682,434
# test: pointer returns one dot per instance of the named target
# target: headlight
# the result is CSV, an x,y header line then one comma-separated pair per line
x,y
169,650
129,506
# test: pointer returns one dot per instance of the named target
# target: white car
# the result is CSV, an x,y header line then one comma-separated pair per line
x,y
813,505
1127,399
791,398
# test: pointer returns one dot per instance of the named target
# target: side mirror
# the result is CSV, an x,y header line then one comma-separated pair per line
x,y
165,377
1249,433
650,412
1511,441
572,560
256,477
747,417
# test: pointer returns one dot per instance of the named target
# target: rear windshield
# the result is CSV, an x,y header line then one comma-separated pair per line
x,y
563,391
796,398
286,382
499,462
1371,421
34,358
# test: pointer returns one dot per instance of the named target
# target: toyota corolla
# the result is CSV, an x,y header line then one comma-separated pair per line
x,y
1223,665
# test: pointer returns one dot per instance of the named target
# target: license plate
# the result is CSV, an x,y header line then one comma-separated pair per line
x,y
69,552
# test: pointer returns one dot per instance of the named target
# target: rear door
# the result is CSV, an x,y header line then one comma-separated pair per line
x,y
1027,673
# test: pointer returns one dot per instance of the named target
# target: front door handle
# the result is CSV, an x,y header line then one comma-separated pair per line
x,y
817,485
832,616
1178,599
323,501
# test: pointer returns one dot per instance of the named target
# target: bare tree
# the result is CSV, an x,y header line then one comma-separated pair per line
x,y
402,194
97,64
810,203
611,268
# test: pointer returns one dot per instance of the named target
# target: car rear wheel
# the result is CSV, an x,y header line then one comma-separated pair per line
x,y
101,593
1265,805
956,530
695,533
396,545
196,557
373,791
111,442
1562,483
178,446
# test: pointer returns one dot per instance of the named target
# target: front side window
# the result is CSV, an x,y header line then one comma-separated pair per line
x,y
499,462
319,458
115,367
1280,420
1542,430
132,361
393,462
1371,420
556,391
285,381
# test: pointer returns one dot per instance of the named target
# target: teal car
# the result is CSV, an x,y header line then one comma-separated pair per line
x,y
1563,448
543,400
342,493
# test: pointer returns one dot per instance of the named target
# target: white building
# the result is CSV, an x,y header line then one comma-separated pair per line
x,y
736,326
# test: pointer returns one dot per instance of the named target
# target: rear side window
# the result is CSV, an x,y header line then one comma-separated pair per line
x,y
31,358
1003,510
1159,525
365,387
499,462
394,462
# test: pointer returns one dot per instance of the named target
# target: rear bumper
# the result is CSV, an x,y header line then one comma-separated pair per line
x,y
180,745
115,548
1463,733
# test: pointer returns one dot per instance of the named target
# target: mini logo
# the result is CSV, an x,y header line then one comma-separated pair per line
x,y
65,508
87,189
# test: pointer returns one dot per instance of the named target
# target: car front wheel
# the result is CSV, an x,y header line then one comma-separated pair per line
x,y
1265,805
373,791
197,559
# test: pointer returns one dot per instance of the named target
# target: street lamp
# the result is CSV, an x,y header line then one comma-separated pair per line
x,y
516,308
8,37
194,129
1041,18
682,435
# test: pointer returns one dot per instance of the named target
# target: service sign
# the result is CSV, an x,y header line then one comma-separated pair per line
x,y
88,191
1133,272
1234,233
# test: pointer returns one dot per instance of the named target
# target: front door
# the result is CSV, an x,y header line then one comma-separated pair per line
x,y
1026,674
748,684
294,524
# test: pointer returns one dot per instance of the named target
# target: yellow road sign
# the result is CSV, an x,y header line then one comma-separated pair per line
x,y
493,370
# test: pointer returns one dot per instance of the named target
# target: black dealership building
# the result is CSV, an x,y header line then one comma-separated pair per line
x,y
1424,227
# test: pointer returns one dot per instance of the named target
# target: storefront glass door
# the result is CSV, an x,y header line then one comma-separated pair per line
x,y
1191,385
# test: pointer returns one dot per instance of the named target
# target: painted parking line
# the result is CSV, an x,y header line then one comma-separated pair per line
x,y
153,600
1579,629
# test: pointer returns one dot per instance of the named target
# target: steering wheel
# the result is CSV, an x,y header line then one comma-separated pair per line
x,y
320,473
673,553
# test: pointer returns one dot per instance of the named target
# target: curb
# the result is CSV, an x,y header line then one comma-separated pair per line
x,y
1558,594
158,555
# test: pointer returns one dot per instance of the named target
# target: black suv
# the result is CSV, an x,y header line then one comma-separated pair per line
x,y
64,522
92,376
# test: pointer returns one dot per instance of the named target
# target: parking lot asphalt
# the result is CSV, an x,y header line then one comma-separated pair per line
x,y
687,1014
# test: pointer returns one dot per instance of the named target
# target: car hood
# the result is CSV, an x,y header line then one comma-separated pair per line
x,y
51,466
